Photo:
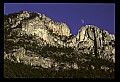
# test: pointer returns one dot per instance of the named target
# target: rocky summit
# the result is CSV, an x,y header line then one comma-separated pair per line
x,y
34,40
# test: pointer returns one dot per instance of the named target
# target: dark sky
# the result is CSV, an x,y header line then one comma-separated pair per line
x,y
74,15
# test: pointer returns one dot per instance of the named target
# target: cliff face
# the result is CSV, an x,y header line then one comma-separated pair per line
x,y
103,44
34,39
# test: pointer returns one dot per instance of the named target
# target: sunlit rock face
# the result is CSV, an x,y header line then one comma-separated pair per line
x,y
90,36
36,40
59,28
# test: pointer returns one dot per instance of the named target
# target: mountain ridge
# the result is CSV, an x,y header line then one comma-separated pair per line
x,y
34,39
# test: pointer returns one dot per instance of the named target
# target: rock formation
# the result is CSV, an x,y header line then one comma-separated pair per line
x,y
34,39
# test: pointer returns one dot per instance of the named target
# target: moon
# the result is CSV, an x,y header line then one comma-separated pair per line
x,y
82,21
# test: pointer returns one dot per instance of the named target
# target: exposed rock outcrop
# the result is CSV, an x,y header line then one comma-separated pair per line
x,y
34,39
